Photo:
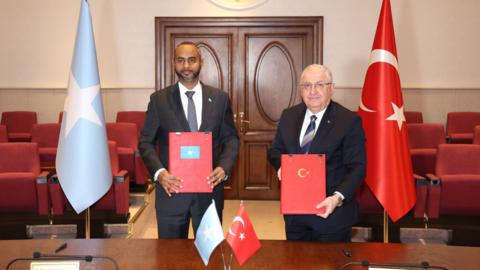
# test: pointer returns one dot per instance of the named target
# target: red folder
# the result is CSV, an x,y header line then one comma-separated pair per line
x,y
303,183
190,158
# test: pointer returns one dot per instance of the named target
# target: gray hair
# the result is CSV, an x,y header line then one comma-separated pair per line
x,y
319,68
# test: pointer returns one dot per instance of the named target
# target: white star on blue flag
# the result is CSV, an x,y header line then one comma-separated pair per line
x,y
83,161
209,233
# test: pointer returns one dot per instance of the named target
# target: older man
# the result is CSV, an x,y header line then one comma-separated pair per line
x,y
321,126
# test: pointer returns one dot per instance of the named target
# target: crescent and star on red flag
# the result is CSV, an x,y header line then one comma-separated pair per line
x,y
242,234
384,56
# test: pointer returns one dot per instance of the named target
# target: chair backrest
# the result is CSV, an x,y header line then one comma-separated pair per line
x,y
60,117
462,122
125,134
367,201
425,135
19,157
19,121
114,163
458,159
413,117
46,135
136,117
476,135
3,133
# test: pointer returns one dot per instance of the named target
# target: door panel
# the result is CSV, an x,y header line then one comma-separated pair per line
x,y
274,73
258,61
274,59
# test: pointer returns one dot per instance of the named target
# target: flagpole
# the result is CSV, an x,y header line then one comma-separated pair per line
x,y
385,226
87,224
223,259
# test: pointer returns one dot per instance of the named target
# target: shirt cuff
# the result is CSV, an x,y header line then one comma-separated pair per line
x,y
155,176
339,194
341,197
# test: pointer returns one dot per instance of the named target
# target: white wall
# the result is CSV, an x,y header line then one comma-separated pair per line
x,y
437,43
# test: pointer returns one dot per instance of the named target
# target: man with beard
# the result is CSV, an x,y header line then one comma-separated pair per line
x,y
171,110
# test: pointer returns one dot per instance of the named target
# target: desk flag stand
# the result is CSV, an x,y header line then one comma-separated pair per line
x,y
225,266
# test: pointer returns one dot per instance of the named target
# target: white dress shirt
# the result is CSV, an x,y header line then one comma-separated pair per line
x,y
306,122
197,98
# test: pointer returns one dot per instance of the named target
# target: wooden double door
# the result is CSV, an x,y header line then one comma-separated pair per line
x,y
258,61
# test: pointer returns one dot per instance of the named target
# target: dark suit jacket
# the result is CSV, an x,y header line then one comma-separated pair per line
x,y
165,114
341,138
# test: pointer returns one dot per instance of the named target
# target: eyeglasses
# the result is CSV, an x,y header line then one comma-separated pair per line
x,y
316,86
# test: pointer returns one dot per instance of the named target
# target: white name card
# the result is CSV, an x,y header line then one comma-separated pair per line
x,y
55,265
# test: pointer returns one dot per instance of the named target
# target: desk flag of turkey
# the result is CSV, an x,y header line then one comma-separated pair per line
x,y
241,236
389,166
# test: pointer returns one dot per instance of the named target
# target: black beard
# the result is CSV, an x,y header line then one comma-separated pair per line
x,y
188,79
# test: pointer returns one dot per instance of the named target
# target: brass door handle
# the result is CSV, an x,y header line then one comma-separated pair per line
x,y
242,121
242,115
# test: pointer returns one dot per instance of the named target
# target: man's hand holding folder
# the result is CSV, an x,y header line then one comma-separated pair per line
x,y
303,185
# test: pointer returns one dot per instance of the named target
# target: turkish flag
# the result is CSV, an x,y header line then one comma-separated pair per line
x,y
389,166
241,236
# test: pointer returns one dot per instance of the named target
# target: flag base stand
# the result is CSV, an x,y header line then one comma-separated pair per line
x,y
87,224
385,226
225,266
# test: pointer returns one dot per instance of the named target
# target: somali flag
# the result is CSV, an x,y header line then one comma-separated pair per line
x,y
83,162
209,234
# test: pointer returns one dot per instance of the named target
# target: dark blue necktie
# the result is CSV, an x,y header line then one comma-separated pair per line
x,y
309,134
191,112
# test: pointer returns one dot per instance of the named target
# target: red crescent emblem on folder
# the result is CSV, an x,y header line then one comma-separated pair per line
x,y
302,173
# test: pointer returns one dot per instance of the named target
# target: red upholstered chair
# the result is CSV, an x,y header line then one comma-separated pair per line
x,y
3,134
453,197
46,136
23,187
460,126
424,140
476,135
455,187
136,117
19,125
413,117
125,134
116,199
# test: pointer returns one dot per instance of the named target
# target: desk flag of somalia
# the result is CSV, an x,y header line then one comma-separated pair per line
x,y
83,162
209,233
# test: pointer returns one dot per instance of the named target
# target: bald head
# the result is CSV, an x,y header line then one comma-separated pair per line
x,y
188,46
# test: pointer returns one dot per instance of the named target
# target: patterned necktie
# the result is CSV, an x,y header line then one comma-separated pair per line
x,y
309,134
191,112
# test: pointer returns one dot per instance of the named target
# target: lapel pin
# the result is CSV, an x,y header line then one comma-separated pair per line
x,y
210,100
